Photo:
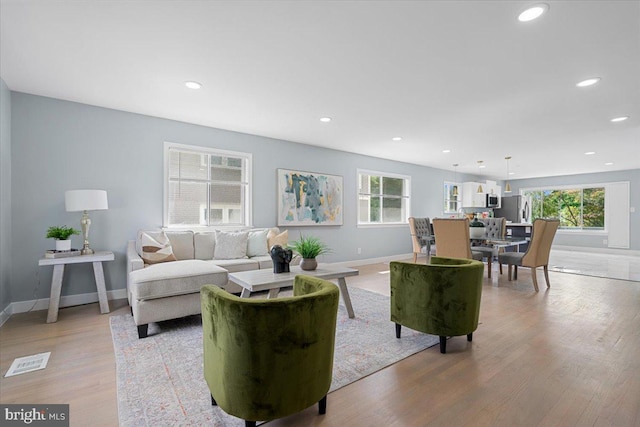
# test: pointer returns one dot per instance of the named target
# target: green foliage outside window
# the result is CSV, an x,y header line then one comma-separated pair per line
x,y
578,208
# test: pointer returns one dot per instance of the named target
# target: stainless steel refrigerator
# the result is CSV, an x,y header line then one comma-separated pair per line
x,y
516,209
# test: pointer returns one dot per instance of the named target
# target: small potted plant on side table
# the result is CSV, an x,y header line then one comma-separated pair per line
x,y
62,235
309,248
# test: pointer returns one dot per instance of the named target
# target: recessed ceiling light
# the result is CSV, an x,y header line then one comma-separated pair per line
x,y
589,153
533,12
512,173
589,82
193,85
446,151
620,119
396,138
325,119
608,163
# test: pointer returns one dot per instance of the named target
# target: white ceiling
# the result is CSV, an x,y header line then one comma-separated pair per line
x,y
459,75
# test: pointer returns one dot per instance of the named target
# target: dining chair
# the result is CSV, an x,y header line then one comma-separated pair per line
x,y
421,236
452,235
537,254
495,228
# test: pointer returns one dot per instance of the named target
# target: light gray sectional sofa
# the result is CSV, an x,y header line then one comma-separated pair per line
x,y
171,289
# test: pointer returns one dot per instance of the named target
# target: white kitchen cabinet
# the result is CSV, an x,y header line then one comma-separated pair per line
x,y
470,196
493,188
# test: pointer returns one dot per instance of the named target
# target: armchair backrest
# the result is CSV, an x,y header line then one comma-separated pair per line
x,y
269,358
544,230
440,298
452,236
420,228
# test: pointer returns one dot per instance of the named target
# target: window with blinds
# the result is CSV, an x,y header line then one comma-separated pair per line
x,y
206,187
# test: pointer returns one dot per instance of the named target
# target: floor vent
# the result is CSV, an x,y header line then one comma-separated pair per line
x,y
28,363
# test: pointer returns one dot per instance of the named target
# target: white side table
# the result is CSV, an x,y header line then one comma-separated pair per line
x,y
58,272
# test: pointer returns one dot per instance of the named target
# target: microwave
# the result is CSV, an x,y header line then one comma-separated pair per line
x,y
492,201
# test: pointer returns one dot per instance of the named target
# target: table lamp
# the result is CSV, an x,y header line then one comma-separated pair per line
x,y
85,200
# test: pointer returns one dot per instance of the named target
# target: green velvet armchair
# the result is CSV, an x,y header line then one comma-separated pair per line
x,y
441,298
269,358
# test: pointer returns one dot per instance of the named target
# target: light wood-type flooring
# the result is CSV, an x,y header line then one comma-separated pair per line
x,y
566,356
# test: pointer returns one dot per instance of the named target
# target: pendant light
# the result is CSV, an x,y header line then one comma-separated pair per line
x,y
455,180
507,187
480,190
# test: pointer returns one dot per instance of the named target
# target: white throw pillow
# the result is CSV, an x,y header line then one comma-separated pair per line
x,y
257,243
230,245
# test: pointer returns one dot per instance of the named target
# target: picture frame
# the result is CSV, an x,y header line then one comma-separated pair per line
x,y
309,198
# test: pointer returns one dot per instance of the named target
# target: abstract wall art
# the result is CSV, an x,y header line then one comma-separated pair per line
x,y
308,198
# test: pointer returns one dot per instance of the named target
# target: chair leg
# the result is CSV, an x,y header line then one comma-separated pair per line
x,y
515,272
500,264
213,401
489,266
443,344
415,257
546,275
470,337
510,270
535,279
249,423
322,405
398,327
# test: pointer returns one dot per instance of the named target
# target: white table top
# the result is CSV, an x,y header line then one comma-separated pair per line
x,y
265,279
96,257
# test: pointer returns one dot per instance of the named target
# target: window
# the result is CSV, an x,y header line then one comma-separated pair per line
x,y
383,198
452,198
578,208
206,187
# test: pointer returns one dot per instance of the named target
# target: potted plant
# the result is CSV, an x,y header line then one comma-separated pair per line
x,y
309,247
476,229
62,235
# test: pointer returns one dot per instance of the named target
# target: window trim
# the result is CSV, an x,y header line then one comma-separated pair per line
x,y
576,231
248,214
407,195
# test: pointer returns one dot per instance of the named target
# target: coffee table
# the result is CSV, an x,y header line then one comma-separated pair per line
x,y
266,279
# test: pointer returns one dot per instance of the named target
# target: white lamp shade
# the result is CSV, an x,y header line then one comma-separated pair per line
x,y
85,200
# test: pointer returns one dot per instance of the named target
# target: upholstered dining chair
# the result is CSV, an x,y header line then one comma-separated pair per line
x,y
495,228
452,235
269,358
421,236
537,254
441,298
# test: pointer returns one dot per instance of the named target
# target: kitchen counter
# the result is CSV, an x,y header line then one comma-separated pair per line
x,y
519,224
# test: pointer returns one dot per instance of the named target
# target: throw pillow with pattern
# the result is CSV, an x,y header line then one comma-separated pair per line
x,y
156,249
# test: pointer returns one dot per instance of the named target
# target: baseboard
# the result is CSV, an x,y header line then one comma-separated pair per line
x,y
5,314
65,301
613,251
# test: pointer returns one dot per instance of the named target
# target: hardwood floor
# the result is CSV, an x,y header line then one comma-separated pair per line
x,y
568,355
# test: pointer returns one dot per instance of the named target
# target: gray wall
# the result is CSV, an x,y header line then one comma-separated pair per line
x,y
59,145
633,176
5,195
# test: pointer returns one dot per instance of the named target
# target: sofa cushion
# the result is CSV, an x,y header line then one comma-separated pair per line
x,y
230,245
281,239
257,243
203,243
264,261
155,249
175,278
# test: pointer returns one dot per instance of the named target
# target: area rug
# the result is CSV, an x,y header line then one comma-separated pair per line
x,y
160,378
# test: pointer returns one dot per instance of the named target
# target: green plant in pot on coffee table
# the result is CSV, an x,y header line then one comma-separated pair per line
x,y
61,234
309,247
